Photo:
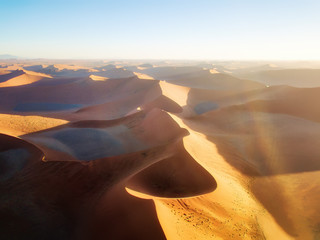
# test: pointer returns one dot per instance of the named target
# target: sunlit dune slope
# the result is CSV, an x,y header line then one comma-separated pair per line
x,y
16,125
21,77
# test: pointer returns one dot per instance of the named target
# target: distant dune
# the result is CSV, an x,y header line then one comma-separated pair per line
x,y
292,77
159,150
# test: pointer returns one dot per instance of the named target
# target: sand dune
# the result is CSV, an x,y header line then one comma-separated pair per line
x,y
126,100
293,101
165,73
15,155
160,150
8,75
185,178
98,78
22,77
115,73
163,102
143,76
217,81
292,77
67,93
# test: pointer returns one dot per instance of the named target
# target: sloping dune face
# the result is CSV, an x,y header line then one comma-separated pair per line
x,y
136,150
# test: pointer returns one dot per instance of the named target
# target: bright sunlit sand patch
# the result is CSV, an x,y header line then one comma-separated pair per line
x,y
213,71
98,78
16,125
139,194
143,76
179,94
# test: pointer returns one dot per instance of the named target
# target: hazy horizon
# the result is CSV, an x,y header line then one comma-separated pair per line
x,y
266,60
202,30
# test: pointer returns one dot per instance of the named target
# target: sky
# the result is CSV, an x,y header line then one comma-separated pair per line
x,y
163,29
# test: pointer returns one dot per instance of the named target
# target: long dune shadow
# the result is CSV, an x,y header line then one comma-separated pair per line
x,y
45,107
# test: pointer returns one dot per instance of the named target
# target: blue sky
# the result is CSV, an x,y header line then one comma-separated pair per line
x,y
175,29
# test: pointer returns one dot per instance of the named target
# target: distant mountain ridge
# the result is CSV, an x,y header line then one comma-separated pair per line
x,y
7,56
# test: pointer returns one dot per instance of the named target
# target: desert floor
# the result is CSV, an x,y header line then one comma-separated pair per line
x,y
159,150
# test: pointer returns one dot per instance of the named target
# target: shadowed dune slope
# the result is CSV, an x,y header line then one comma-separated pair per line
x,y
83,91
15,155
107,138
177,176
